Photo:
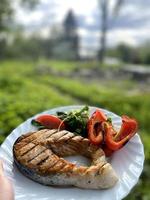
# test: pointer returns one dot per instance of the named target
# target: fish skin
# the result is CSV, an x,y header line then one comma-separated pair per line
x,y
39,156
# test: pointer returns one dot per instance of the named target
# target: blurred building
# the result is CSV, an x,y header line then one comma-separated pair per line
x,y
67,46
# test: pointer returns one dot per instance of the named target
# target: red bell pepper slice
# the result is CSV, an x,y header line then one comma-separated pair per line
x,y
115,140
94,127
108,152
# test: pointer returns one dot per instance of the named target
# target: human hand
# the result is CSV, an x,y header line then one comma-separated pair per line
x,y
6,188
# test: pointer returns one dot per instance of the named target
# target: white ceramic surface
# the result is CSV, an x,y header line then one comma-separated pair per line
x,y
127,162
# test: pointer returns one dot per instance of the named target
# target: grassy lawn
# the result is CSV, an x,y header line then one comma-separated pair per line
x,y
24,92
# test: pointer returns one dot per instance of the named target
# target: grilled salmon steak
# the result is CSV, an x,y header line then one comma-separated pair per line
x,y
39,156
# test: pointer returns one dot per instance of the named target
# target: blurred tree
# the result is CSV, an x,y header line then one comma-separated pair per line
x,y
65,40
29,4
6,11
104,6
70,34
144,52
70,25
3,47
129,54
6,16
29,48
125,52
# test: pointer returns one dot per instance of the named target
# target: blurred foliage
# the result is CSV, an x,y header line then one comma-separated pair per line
x,y
129,54
24,92
5,14
28,48
34,47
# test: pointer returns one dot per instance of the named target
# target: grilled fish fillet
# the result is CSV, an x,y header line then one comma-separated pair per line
x,y
39,156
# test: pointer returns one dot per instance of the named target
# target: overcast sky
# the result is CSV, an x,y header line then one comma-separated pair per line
x,y
132,26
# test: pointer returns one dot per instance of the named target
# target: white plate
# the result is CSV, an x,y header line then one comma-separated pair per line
x,y
127,162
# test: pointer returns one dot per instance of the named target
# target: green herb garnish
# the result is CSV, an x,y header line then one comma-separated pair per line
x,y
76,120
109,120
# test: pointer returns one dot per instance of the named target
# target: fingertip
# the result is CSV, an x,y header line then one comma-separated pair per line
x,y
1,167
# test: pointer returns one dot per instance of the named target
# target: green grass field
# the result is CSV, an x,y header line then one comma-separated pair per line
x,y
24,92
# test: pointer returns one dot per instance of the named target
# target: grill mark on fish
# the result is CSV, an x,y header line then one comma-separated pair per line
x,y
72,150
56,136
61,137
56,161
67,168
25,149
67,141
80,170
100,171
43,160
33,153
52,160
28,150
66,146
50,165
63,151
56,167
92,170
36,155
76,143
52,132
66,137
